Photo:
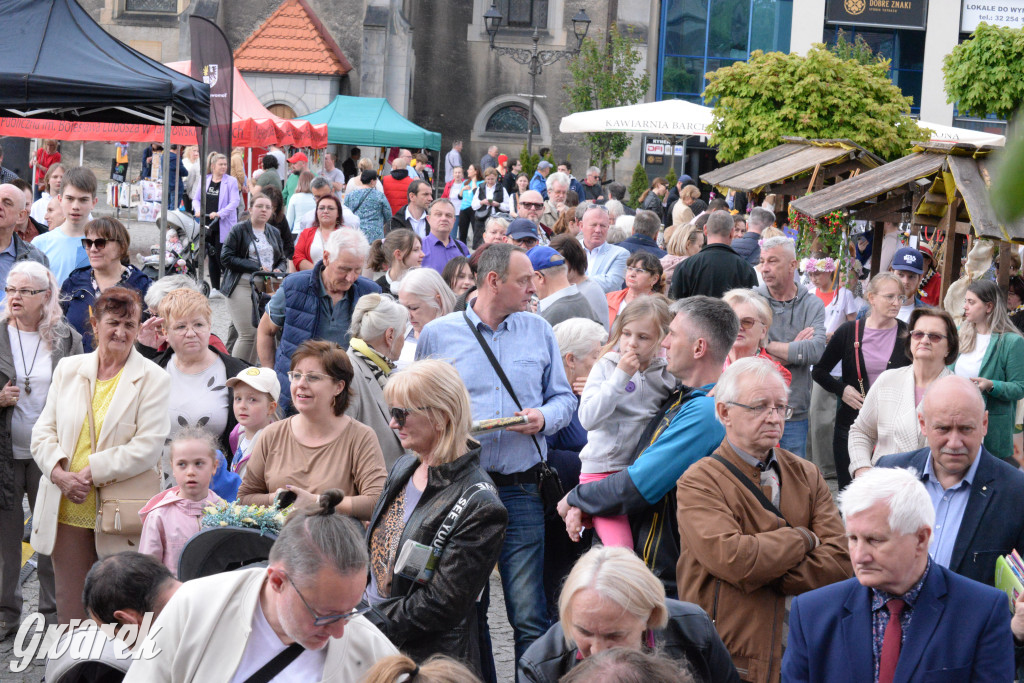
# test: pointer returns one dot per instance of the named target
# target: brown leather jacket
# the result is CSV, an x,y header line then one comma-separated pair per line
x,y
739,562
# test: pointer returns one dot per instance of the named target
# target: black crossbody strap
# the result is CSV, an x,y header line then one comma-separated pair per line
x,y
266,673
500,372
758,493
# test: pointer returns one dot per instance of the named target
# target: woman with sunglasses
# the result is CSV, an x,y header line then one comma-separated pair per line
x,y
992,356
320,447
755,316
887,422
106,243
643,277
861,350
436,501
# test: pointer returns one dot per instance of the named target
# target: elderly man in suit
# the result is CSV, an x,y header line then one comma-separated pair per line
x,y
904,617
977,497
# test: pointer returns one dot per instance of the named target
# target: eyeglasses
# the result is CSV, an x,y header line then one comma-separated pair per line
x,y
761,412
331,618
11,291
637,271
893,297
400,415
531,205
933,337
311,377
747,323
99,243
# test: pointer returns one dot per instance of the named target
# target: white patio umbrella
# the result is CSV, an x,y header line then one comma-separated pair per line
x,y
666,117
953,134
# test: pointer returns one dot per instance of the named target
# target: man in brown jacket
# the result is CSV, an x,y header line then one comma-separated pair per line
x,y
743,552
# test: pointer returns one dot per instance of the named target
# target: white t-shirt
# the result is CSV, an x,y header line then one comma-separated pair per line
x,y
29,405
905,312
38,211
264,645
969,364
199,400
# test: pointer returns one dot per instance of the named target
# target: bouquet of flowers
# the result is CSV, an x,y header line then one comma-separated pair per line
x,y
266,519
831,231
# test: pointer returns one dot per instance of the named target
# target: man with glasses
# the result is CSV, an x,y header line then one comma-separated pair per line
x,y
558,188
319,188
12,247
756,522
315,304
716,268
796,338
295,620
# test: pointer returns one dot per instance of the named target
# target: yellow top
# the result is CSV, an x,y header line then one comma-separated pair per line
x,y
83,515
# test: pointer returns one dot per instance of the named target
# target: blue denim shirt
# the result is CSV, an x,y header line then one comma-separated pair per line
x,y
525,347
950,505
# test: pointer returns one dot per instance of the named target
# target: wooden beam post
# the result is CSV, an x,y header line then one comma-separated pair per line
x,y
952,246
877,234
1005,265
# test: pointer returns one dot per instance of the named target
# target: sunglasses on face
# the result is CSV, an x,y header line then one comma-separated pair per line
x,y
400,415
99,243
747,323
933,337
531,205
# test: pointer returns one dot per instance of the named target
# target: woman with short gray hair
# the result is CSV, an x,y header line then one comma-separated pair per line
x,y
377,336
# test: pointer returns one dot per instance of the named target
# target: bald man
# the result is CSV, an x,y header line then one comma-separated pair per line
x,y
978,498
12,247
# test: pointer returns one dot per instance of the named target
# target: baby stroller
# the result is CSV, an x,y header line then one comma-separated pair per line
x,y
185,258
223,549
263,284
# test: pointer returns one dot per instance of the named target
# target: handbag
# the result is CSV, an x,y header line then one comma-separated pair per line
x,y
118,503
548,484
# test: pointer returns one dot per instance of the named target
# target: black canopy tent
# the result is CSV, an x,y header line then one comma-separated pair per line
x,y
56,63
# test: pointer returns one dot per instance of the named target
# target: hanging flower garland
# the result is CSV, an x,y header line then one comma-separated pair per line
x,y
831,231
266,519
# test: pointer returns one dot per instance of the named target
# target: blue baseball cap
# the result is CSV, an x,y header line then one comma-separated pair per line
x,y
522,228
910,259
544,257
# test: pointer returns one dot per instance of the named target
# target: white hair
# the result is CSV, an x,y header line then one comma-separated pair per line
x,y
375,314
780,242
427,285
625,223
579,336
347,239
51,321
593,169
616,234
168,283
559,178
910,506
743,373
615,209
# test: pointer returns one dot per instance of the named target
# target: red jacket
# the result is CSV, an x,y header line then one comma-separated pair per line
x,y
302,246
396,189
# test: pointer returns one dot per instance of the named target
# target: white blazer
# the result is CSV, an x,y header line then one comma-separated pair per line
x,y
887,422
130,441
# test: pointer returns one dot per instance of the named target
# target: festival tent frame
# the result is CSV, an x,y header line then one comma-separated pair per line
x,y
57,63
373,122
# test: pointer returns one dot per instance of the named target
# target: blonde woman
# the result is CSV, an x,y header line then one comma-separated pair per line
x,y
440,483
611,599
681,244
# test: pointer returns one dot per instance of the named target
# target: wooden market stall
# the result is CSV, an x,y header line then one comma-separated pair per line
x,y
940,188
793,169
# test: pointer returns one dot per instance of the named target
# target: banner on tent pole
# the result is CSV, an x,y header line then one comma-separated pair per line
x,y
213,63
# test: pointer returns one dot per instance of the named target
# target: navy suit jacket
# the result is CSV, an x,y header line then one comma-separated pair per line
x,y
993,523
959,631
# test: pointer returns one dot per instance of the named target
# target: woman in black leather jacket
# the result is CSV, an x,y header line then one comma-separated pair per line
x,y
251,245
437,498
611,599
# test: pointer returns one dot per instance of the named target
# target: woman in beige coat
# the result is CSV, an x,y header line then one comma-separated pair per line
x,y
127,395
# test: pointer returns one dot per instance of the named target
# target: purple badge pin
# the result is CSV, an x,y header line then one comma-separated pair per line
x,y
630,386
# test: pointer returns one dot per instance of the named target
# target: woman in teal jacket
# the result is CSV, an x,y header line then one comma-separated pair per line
x,y
992,356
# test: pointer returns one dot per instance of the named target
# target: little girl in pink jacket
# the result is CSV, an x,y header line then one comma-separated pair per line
x,y
171,517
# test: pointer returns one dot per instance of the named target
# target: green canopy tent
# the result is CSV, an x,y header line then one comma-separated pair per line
x,y
372,122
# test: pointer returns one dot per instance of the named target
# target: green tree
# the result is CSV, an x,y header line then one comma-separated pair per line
x,y
859,50
606,76
985,74
671,178
637,186
818,95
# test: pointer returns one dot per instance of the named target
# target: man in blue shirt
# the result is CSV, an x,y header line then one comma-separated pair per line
x,y
315,304
977,497
524,346
684,431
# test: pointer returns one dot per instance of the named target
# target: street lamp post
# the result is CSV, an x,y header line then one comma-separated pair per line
x,y
534,59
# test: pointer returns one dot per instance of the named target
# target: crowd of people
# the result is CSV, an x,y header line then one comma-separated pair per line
x,y
633,415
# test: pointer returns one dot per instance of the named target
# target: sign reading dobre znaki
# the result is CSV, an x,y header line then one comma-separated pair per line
x,y
912,14
999,12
